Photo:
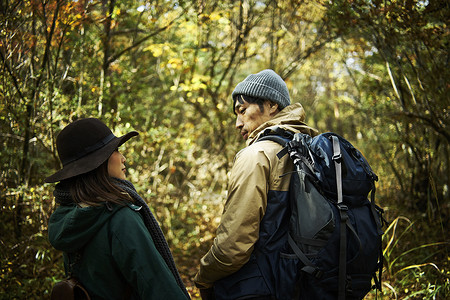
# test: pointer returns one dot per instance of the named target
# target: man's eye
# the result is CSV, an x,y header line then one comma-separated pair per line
x,y
242,111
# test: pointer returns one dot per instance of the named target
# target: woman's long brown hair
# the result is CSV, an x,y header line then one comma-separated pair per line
x,y
96,187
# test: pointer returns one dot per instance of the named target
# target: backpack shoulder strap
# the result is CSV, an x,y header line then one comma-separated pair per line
x,y
278,139
277,135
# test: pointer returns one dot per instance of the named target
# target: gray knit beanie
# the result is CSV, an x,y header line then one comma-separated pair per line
x,y
264,85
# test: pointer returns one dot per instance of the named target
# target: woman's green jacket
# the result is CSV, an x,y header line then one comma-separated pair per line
x,y
117,252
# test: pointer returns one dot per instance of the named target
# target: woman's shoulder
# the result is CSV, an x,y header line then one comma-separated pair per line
x,y
127,216
126,210
127,227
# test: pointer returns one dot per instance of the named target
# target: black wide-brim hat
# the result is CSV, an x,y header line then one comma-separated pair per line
x,y
83,146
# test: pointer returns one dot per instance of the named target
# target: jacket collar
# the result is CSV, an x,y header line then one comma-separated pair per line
x,y
291,118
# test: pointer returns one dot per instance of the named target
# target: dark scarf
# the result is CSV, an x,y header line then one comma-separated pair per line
x,y
63,197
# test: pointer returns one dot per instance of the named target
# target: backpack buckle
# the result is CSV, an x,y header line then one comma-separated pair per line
x,y
313,271
317,273
348,285
337,158
342,207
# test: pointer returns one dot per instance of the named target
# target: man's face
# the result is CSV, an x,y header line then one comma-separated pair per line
x,y
249,116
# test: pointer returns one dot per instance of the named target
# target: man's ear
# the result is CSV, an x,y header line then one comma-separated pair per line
x,y
273,108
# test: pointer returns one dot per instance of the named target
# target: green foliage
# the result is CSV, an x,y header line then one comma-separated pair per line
x,y
30,266
417,270
407,92
375,72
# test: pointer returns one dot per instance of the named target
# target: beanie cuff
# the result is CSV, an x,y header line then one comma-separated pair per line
x,y
264,85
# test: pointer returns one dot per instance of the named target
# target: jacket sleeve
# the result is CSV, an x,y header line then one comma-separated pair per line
x,y
138,259
243,211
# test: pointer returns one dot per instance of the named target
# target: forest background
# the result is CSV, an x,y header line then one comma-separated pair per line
x,y
375,72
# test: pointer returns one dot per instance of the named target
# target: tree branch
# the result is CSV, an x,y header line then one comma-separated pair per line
x,y
137,43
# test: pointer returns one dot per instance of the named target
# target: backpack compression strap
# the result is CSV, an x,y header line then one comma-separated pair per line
x,y
337,158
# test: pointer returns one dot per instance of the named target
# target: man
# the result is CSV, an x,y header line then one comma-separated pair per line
x,y
244,260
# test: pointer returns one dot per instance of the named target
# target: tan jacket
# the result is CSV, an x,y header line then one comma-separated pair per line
x,y
255,171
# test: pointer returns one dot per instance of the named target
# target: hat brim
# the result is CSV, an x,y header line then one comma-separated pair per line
x,y
91,161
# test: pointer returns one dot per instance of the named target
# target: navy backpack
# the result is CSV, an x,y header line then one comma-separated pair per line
x,y
335,230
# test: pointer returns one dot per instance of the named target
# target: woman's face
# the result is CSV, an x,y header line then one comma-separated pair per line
x,y
116,165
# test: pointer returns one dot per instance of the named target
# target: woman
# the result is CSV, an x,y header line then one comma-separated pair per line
x,y
110,239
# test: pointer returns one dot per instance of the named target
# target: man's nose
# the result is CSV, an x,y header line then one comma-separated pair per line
x,y
239,123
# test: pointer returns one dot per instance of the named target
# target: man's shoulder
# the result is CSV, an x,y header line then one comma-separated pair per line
x,y
268,149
